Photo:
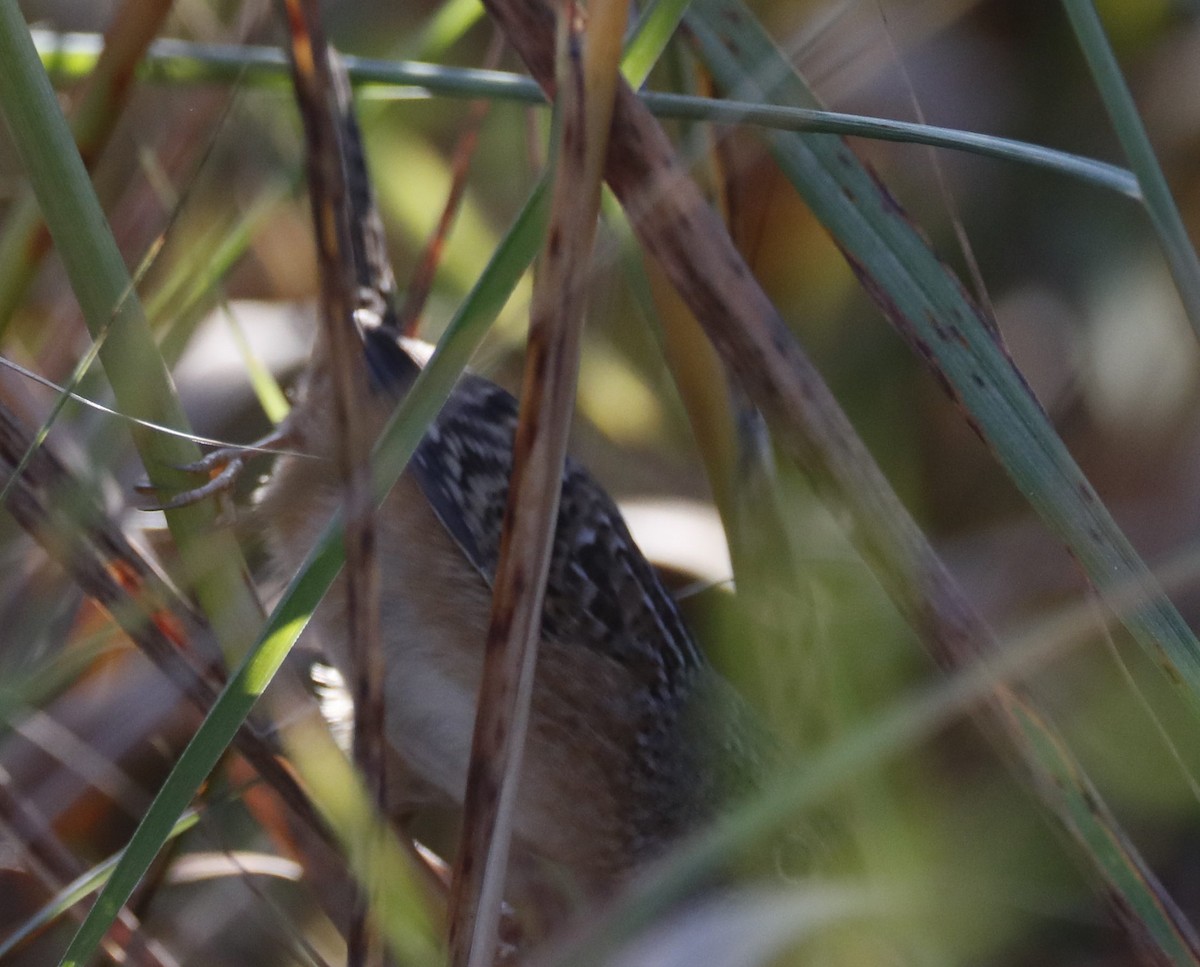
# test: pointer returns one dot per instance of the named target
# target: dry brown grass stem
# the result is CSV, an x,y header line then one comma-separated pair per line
x,y
421,281
317,95
588,59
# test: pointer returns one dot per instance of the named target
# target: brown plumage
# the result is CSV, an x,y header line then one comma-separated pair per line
x,y
633,739
633,736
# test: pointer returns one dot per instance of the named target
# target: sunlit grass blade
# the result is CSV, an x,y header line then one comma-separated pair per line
x,y
1160,206
656,26
205,749
270,395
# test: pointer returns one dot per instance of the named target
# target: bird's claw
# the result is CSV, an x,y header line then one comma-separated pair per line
x,y
223,474
222,466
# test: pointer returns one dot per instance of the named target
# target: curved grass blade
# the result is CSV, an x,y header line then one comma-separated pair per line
x,y
68,56
791,118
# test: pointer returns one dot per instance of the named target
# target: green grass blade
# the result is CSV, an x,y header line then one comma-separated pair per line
x,y
1151,915
92,122
1160,206
114,315
205,748
790,118
93,263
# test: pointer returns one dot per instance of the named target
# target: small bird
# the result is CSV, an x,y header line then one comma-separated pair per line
x,y
625,751
634,740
